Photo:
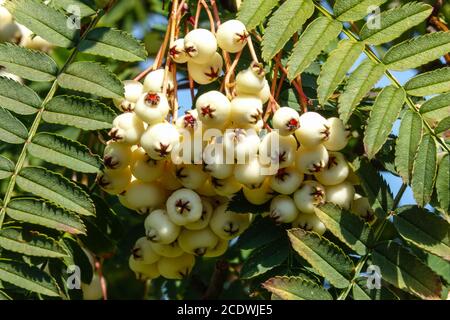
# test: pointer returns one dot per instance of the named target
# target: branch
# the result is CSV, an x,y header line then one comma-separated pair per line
x,y
217,280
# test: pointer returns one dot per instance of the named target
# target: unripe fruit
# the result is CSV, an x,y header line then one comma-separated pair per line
x,y
30,41
144,196
176,268
314,130
265,93
207,211
143,251
213,109
340,194
145,168
171,250
309,222
152,107
177,52
196,242
127,128
335,172
232,36
159,140
227,224
207,189
159,228
246,111
154,82
283,209
143,271
117,155
260,195
191,175
240,144
169,180
286,120
133,90
251,80
311,160
93,290
339,135
188,121
114,181
286,180
200,45
276,149
310,195
214,163
184,206
220,248
361,207
226,187
207,72
249,174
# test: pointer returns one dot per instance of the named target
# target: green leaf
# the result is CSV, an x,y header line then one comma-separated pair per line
x,y
287,20
335,68
296,288
405,271
86,7
424,171
437,108
26,63
6,167
4,296
93,78
312,41
18,98
426,230
325,257
375,188
360,291
438,265
381,120
28,277
114,44
426,84
409,137
261,232
79,112
30,244
359,84
354,10
253,12
418,51
443,183
40,212
11,129
348,227
78,257
64,152
443,126
44,21
394,22
265,258
56,188
240,204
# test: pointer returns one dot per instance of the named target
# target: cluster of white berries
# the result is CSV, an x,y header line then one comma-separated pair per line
x,y
183,184
11,31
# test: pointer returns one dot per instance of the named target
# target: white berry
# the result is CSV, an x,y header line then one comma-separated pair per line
x,y
114,181
159,227
154,81
309,222
286,120
227,224
341,194
251,80
142,270
196,242
127,128
335,172
314,129
277,149
213,109
144,196
152,107
200,45
311,160
232,36
159,140
207,211
143,251
283,209
133,90
310,195
117,155
176,268
259,195
170,250
177,52
339,135
286,180
246,111
184,206
207,72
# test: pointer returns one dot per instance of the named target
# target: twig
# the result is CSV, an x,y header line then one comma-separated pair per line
x,y
230,72
252,49
99,267
217,280
210,17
